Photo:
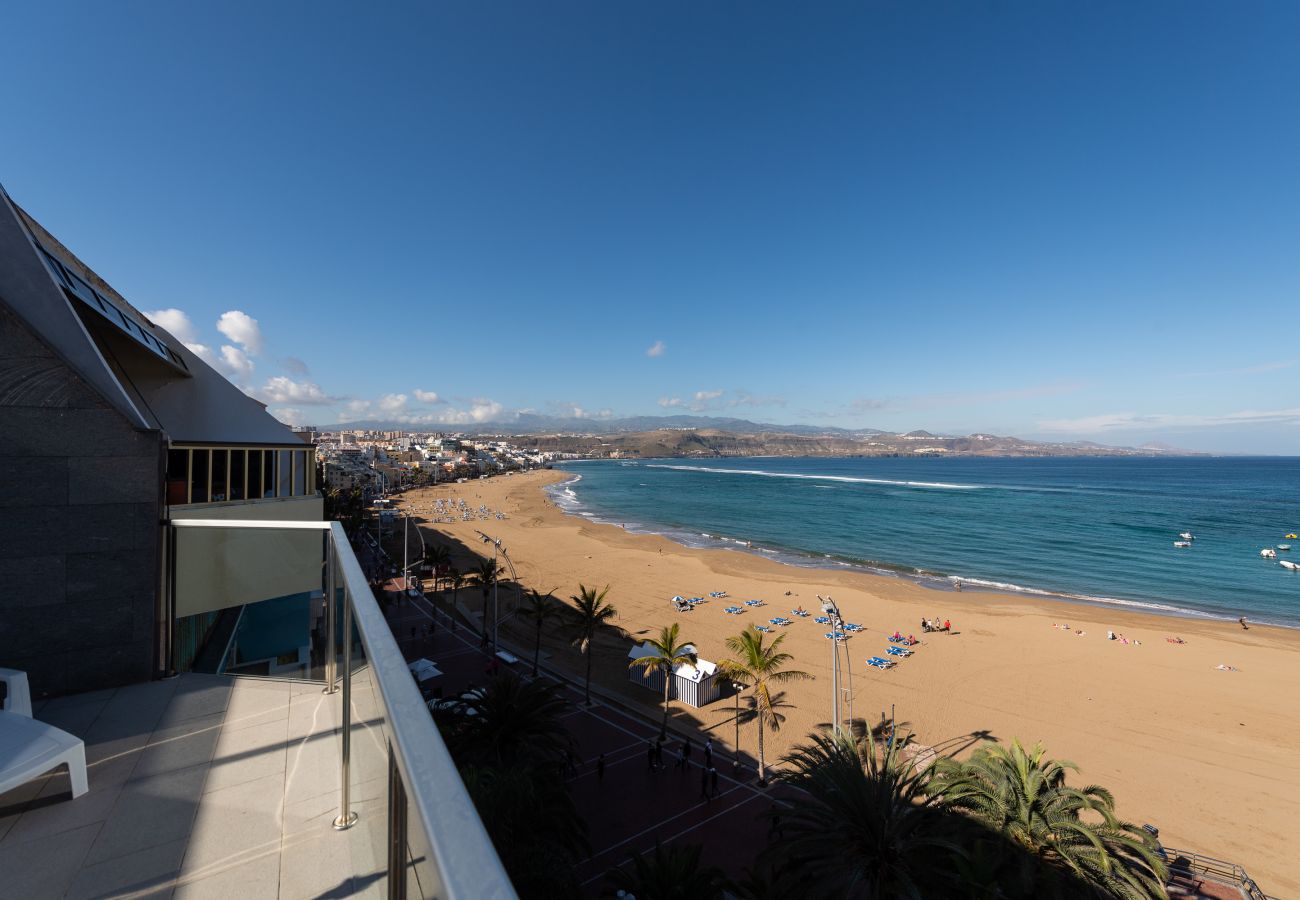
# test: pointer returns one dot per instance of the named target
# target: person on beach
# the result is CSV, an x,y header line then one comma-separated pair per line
x,y
947,626
1244,626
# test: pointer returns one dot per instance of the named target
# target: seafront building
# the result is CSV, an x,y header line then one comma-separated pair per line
x,y
161,536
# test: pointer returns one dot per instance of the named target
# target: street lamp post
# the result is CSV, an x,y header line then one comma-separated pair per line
x,y
496,580
833,612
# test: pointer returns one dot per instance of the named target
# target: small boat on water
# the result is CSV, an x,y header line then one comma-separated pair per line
x,y
1268,553
1182,543
1284,546
1187,536
1287,564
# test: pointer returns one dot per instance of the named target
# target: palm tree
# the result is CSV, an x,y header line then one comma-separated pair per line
x,y
593,611
671,874
890,835
485,574
539,607
437,556
1022,794
457,578
666,653
760,667
508,722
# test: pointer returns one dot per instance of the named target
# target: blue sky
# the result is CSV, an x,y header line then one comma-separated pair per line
x,y
1054,220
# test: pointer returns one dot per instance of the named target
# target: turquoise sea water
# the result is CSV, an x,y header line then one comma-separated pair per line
x,y
1086,528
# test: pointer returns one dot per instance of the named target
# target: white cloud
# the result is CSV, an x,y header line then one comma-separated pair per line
x,y
669,402
281,389
204,352
744,398
235,362
706,396
392,404
242,329
658,348
176,322
1126,421
288,415
430,397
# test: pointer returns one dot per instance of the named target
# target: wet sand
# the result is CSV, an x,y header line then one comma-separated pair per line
x,y
1206,755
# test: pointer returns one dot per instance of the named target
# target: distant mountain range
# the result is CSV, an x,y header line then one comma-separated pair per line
x,y
715,436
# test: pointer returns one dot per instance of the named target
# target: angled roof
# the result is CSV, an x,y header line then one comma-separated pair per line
x,y
139,368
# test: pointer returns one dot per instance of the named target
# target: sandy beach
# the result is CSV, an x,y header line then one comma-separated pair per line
x,y
1205,754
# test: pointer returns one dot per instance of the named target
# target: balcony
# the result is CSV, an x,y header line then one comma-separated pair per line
x,y
208,785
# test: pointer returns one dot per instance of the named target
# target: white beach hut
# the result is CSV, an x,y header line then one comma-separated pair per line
x,y
695,685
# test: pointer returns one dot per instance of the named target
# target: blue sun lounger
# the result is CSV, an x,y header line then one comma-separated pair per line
x,y
763,628
898,651
881,663
823,620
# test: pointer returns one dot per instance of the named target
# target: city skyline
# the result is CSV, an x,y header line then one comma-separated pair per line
x,y
1049,223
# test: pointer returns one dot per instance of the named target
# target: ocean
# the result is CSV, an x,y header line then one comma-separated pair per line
x,y
1091,529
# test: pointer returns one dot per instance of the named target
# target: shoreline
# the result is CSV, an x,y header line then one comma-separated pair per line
x,y
1189,748
932,581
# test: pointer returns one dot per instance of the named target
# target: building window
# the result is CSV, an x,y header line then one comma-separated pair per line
x,y
268,473
237,473
299,473
199,476
220,474
178,476
285,485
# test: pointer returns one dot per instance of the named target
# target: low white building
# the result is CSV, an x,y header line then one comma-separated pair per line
x,y
695,685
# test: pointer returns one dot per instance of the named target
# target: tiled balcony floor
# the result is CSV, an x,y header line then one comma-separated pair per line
x,y
200,786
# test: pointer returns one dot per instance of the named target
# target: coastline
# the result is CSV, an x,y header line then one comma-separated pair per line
x,y
1183,745
928,579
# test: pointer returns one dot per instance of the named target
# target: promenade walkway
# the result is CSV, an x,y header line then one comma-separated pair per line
x,y
632,807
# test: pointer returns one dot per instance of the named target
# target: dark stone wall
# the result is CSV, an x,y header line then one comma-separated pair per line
x,y
80,494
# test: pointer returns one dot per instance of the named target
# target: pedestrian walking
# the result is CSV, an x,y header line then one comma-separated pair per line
x,y
681,758
686,751
713,782
708,753
600,767
659,754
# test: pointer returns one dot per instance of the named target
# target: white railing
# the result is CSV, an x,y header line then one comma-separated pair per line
x,y
435,844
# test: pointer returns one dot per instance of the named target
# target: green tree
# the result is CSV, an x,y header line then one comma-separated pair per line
x,y
593,612
437,556
674,873
508,722
666,653
760,667
485,574
890,835
1022,795
538,608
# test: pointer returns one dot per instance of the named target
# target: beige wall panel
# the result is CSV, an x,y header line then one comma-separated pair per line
x,y
222,568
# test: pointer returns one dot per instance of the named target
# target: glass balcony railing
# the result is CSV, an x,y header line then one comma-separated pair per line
x,y
413,829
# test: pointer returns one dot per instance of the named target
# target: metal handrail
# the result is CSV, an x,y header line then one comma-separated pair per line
x,y
465,862
1220,869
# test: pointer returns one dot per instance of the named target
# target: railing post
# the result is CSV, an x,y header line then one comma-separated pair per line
x,y
331,674
346,818
396,830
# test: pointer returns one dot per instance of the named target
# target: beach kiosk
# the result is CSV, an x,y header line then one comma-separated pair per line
x,y
695,685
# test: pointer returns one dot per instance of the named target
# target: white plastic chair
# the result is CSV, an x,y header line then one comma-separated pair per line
x,y
29,748
18,696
